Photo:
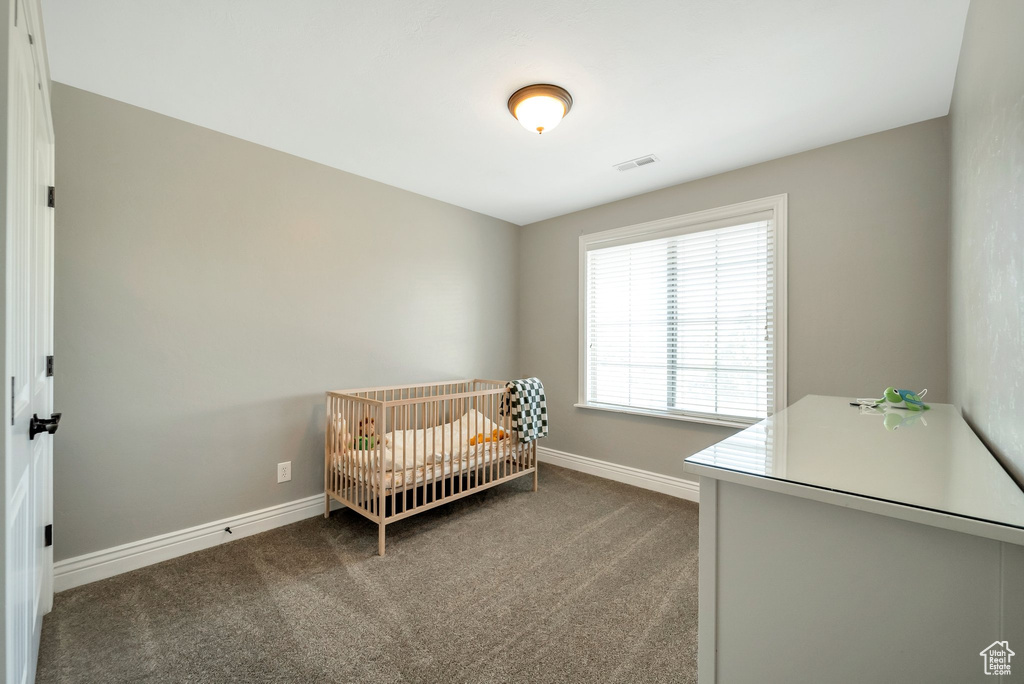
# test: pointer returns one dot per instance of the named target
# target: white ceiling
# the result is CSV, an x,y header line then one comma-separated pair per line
x,y
413,92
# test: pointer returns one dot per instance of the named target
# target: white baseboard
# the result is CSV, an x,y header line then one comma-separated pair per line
x,y
666,484
99,565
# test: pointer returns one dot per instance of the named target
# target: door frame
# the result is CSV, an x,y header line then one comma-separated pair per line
x,y
26,13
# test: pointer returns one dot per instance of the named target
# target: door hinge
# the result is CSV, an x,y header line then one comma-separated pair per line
x,y
12,401
51,200
48,535
31,41
49,366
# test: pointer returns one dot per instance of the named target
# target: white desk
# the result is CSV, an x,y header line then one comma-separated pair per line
x,y
835,549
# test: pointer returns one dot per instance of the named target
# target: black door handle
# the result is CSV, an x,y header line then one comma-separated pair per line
x,y
37,425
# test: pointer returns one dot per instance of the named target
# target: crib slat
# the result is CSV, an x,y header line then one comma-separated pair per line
x,y
416,446
414,417
486,456
352,456
361,477
497,455
405,475
482,464
338,457
434,424
499,448
362,466
404,445
441,473
328,442
473,458
422,423
508,425
366,476
394,468
533,462
504,428
475,430
337,454
463,450
412,431
490,448
428,461
513,446
448,465
447,418
349,457
454,441
344,469
381,420
457,463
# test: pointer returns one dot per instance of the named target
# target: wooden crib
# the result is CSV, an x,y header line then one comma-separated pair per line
x,y
393,452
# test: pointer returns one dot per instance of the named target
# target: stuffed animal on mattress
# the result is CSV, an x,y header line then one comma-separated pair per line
x,y
367,435
496,435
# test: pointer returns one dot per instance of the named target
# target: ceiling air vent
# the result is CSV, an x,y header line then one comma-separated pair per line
x,y
633,163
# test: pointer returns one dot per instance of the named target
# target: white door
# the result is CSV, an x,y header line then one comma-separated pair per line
x,y
42,330
29,338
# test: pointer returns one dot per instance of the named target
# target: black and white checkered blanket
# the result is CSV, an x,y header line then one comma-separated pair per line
x,y
529,407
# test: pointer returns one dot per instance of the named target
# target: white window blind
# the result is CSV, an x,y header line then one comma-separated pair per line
x,y
684,323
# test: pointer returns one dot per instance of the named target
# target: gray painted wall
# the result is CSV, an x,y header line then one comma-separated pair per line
x,y
868,296
987,247
209,290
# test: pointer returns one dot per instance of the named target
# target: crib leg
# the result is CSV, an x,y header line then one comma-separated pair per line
x,y
380,539
534,478
327,505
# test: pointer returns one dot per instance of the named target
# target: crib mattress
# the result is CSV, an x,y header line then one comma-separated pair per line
x,y
487,455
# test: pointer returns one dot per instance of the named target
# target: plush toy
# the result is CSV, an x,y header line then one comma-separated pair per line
x,y
899,398
496,435
367,438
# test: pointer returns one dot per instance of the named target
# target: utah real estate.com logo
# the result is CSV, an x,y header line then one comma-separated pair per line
x,y
997,658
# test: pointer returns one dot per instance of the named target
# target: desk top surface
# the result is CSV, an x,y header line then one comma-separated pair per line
x,y
930,461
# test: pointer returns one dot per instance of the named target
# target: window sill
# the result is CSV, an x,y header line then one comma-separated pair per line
x,y
738,423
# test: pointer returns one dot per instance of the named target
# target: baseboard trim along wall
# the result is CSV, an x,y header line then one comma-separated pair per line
x,y
645,479
98,565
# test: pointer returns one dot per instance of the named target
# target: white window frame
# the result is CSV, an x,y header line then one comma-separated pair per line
x,y
777,204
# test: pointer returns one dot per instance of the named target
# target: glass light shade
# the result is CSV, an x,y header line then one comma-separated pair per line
x,y
540,107
540,113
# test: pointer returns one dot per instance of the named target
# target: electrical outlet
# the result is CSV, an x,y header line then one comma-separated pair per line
x,y
284,472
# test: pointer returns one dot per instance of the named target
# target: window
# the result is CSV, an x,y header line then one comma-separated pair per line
x,y
685,317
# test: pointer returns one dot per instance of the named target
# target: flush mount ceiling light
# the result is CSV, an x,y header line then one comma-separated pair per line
x,y
540,107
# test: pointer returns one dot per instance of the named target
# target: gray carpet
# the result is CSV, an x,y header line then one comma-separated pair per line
x,y
585,581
